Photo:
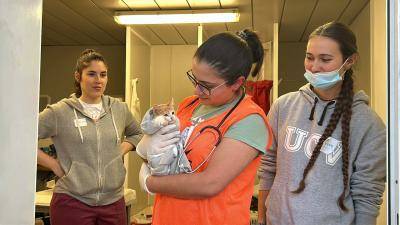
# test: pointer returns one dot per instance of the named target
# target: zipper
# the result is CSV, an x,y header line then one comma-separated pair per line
x,y
98,163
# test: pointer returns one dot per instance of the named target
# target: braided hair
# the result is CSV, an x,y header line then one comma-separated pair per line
x,y
347,42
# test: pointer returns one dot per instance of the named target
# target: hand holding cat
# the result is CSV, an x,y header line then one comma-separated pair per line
x,y
143,175
159,142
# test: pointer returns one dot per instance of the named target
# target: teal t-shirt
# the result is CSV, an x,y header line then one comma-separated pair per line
x,y
251,130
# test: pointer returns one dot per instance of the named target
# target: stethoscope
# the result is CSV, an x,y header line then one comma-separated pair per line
x,y
214,129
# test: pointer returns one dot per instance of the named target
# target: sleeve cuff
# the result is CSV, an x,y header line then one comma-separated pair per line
x,y
365,219
134,140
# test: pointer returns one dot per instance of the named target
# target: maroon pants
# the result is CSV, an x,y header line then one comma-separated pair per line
x,y
66,210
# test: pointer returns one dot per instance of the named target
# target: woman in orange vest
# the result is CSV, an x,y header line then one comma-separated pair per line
x,y
226,134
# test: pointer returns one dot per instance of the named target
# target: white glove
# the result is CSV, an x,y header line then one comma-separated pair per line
x,y
160,164
143,175
164,139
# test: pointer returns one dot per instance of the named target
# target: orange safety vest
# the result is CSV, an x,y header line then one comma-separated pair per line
x,y
232,205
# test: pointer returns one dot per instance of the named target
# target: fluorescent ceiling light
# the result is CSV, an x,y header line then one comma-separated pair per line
x,y
177,16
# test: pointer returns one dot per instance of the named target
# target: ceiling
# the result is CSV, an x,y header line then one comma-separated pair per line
x,y
91,22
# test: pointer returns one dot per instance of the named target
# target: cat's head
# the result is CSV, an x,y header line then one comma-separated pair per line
x,y
164,109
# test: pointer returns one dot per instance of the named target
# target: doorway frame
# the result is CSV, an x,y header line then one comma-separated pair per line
x,y
393,93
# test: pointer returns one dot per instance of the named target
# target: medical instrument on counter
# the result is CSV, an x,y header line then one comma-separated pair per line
x,y
208,127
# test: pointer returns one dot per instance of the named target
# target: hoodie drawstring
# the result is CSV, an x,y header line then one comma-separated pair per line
x,y
115,126
78,125
321,120
313,109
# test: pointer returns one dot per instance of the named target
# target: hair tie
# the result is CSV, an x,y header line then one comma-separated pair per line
x,y
243,35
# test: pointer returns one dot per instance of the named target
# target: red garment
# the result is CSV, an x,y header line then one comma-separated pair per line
x,y
66,210
260,90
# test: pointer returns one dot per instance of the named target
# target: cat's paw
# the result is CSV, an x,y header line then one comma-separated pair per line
x,y
160,121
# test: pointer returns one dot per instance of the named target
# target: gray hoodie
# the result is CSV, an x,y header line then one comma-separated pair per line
x,y
296,129
89,151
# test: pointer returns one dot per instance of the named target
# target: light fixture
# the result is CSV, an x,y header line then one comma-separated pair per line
x,y
177,16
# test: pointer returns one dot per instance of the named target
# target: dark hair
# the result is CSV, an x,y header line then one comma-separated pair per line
x,y
232,55
348,46
84,60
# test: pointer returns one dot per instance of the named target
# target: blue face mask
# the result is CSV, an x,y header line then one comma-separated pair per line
x,y
324,80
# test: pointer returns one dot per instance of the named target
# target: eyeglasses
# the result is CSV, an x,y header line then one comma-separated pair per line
x,y
203,88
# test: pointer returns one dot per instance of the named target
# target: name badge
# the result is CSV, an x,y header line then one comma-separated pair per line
x,y
330,145
80,122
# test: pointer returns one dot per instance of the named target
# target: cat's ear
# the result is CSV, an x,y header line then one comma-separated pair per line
x,y
151,112
171,102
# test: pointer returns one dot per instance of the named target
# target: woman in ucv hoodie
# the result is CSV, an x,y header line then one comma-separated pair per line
x,y
327,165
91,133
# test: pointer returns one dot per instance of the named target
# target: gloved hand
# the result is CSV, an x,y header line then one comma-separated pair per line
x,y
143,175
160,163
164,139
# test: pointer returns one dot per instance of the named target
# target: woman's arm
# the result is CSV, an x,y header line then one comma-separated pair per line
x,y
262,210
47,161
126,147
367,183
47,127
230,158
132,132
267,169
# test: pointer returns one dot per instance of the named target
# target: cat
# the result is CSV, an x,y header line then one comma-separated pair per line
x,y
159,116
156,118
165,113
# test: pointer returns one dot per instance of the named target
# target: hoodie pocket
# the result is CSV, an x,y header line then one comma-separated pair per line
x,y
80,179
114,175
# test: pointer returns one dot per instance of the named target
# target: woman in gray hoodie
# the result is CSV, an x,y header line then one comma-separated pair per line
x,y
327,164
91,132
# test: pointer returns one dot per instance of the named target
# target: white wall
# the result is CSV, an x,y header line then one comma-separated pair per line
x,y
291,66
379,71
137,66
370,71
58,65
378,57
20,29
168,67
362,70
